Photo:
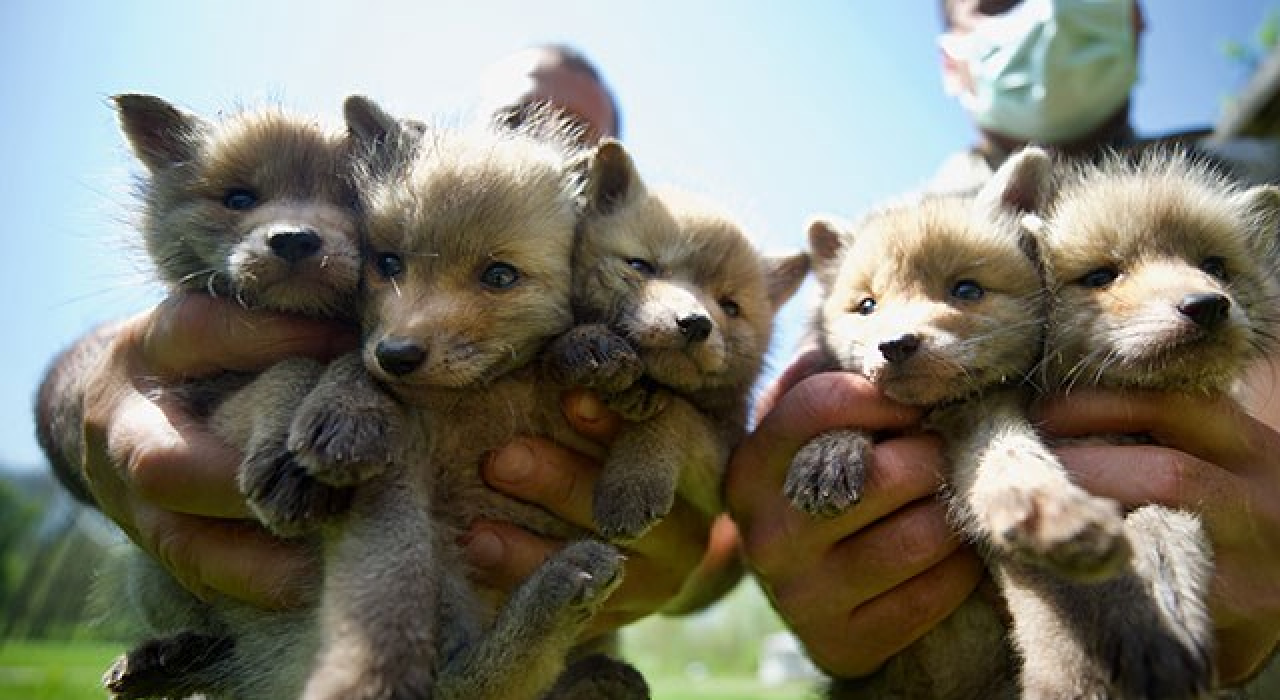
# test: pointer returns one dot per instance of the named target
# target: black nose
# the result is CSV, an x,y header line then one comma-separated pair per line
x,y
294,245
398,356
695,327
900,349
1205,310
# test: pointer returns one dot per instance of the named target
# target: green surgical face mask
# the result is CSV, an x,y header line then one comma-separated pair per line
x,y
1047,71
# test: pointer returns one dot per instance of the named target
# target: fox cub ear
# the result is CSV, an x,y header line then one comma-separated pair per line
x,y
828,235
1261,204
160,134
1022,185
612,179
785,274
380,137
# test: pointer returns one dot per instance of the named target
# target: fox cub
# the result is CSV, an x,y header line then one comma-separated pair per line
x,y
674,315
939,302
1162,275
259,207
475,268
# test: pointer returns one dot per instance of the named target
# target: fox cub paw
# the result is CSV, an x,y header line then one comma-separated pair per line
x,y
598,676
346,441
581,576
1073,534
827,475
1153,662
166,667
632,501
284,496
595,357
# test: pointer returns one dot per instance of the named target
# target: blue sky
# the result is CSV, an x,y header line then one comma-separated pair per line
x,y
781,110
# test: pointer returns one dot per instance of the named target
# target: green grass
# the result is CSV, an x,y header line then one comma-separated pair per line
x,y
741,688
71,671
54,670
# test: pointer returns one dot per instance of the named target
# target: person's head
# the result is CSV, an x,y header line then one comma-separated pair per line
x,y
1045,71
553,74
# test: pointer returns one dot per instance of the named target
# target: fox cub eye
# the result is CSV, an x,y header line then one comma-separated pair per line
x,y
866,306
389,265
1098,278
239,199
1215,266
731,308
642,266
968,290
499,276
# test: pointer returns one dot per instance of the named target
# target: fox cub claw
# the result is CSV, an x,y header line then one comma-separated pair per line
x,y
827,474
638,403
345,442
582,576
165,667
1078,536
285,497
595,357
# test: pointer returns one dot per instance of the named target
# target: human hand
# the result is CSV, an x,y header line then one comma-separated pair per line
x,y
157,471
657,565
1212,458
860,587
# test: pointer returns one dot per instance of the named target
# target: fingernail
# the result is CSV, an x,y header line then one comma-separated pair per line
x,y
586,407
512,464
484,549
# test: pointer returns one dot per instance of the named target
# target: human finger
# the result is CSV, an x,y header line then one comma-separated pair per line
x,y
871,562
562,482
589,416
816,404
192,335
889,623
166,458
235,558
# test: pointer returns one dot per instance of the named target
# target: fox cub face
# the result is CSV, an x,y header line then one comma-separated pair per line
x,y
258,206
469,247
935,298
1162,274
675,278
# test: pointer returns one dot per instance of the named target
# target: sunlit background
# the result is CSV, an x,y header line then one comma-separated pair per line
x,y
780,110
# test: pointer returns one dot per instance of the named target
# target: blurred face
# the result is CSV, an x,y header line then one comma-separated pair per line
x,y
539,76
1045,71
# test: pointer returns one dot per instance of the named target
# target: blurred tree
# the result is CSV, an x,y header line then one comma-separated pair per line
x,y
18,517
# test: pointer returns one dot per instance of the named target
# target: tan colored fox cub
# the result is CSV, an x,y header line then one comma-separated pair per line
x,y
471,254
1162,275
674,315
938,301
259,207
